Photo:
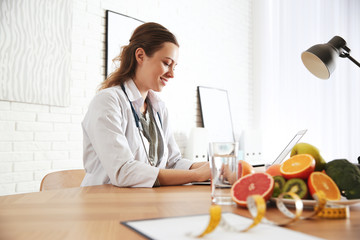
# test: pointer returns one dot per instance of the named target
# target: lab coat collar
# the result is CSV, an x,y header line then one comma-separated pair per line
x,y
137,100
156,102
132,91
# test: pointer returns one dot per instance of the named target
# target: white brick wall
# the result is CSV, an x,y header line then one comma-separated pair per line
x,y
215,48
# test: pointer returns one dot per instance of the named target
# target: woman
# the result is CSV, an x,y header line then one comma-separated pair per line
x,y
127,138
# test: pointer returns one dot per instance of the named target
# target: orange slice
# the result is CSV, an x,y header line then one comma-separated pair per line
x,y
319,181
298,166
245,168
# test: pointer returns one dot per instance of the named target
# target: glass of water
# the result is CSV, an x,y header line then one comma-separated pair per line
x,y
224,170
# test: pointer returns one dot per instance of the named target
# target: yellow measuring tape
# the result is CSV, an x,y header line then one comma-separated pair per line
x,y
215,217
257,208
334,212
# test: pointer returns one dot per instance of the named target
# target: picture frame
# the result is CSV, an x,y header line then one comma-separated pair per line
x,y
119,28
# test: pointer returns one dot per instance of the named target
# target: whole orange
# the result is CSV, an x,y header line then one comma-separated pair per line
x,y
274,170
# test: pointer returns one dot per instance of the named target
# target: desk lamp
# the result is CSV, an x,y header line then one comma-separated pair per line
x,y
320,58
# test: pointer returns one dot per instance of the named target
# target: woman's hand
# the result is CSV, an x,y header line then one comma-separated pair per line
x,y
202,171
198,164
228,174
198,172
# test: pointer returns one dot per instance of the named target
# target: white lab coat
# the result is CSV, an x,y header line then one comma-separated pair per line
x,y
113,151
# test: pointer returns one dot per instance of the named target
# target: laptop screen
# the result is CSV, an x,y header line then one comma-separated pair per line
x,y
289,147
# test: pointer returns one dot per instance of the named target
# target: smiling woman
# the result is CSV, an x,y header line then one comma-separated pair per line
x,y
155,71
128,141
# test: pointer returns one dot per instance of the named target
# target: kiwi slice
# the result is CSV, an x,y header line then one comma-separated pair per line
x,y
296,185
279,182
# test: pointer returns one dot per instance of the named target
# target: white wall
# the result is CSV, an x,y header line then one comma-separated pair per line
x,y
215,50
289,97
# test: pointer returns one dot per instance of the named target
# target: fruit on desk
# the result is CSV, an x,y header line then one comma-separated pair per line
x,y
319,181
346,176
244,168
274,170
298,166
301,148
251,184
279,183
298,186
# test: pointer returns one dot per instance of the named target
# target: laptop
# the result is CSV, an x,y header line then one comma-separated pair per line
x,y
289,147
284,153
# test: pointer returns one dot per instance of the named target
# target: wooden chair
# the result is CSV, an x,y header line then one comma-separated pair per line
x,y
62,179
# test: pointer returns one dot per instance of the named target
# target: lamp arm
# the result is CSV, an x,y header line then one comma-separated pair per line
x,y
346,53
353,60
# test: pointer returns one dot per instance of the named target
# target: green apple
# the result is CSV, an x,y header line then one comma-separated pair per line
x,y
306,148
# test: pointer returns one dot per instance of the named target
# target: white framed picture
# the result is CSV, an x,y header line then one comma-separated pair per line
x,y
119,29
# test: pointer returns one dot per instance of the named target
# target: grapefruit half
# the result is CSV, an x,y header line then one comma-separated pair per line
x,y
251,184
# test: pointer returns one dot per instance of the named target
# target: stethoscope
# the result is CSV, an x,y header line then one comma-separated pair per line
x,y
137,122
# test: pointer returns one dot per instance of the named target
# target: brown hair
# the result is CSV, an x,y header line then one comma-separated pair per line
x,y
148,36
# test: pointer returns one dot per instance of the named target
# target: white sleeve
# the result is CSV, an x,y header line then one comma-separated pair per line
x,y
105,125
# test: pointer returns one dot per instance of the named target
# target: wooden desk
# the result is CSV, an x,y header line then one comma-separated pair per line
x,y
95,213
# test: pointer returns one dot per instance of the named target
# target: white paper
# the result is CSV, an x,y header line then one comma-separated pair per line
x,y
178,227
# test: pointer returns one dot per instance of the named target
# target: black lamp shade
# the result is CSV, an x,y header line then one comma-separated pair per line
x,y
320,60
